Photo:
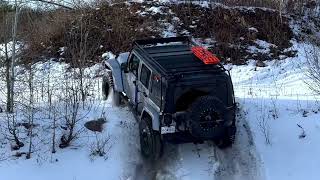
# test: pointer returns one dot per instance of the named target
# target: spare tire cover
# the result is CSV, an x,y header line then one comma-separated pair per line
x,y
207,114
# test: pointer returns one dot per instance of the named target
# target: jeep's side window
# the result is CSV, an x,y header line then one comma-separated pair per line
x,y
155,89
134,65
156,85
145,76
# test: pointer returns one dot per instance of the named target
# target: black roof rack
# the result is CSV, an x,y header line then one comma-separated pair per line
x,y
162,40
154,58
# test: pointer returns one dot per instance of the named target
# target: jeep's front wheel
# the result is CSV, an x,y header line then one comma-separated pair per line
x,y
107,84
108,89
150,141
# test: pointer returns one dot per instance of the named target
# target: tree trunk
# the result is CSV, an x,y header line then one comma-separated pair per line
x,y
31,113
7,60
13,58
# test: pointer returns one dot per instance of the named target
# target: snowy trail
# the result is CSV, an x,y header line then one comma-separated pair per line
x,y
205,161
147,170
241,161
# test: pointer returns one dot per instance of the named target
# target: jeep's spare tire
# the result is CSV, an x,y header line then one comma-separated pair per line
x,y
207,114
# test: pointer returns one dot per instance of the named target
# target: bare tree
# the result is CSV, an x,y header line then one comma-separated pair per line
x,y
313,58
82,47
5,34
13,57
71,114
13,132
30,111
55,3
11,71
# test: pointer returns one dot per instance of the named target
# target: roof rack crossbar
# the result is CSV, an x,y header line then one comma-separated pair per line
x,y
218,69
192,72
151,60
162,40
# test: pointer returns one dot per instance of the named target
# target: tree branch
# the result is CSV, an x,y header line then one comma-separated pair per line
x,y
54,3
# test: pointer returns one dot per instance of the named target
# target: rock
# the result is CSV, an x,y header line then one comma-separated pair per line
x,y
27,125
95,125
260,64
64,141
15,147
252,33
305,113
19,154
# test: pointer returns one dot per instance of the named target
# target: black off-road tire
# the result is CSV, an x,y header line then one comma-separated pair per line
x,y
150,140
107,84
108,88
228,139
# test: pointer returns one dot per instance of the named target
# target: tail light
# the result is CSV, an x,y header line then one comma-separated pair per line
x,y
167,119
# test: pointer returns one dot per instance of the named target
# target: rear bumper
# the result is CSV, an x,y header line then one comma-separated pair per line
x,y
187,137
187,134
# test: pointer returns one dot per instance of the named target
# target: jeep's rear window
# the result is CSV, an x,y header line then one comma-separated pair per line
x,y
145,76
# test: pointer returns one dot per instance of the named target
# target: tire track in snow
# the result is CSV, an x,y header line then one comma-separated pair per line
x,y
206,161
241,160
159,170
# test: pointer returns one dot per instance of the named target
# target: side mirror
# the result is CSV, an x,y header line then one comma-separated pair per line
x,y
124,67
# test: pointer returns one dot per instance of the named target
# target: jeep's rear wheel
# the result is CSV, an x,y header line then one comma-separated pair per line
x,y
105,88
228,139
150,141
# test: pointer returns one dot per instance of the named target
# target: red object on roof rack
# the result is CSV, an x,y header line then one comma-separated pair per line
x,y
204,55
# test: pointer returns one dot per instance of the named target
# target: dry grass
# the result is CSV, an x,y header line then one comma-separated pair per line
x,y
107,28
114,28
230,28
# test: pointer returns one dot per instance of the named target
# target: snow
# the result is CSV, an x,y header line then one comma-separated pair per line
x,y
75,163
260,47
276,99
287,156
155,10
9,46
253,29
62,50
108,55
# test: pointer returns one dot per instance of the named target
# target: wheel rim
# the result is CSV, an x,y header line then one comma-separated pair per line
x,y
209,119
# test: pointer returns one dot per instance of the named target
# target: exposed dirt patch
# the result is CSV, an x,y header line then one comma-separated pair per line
x,y
234,29
95,125
87,33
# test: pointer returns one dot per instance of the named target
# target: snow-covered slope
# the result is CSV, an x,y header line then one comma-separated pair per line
x,y
277,138
283,114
